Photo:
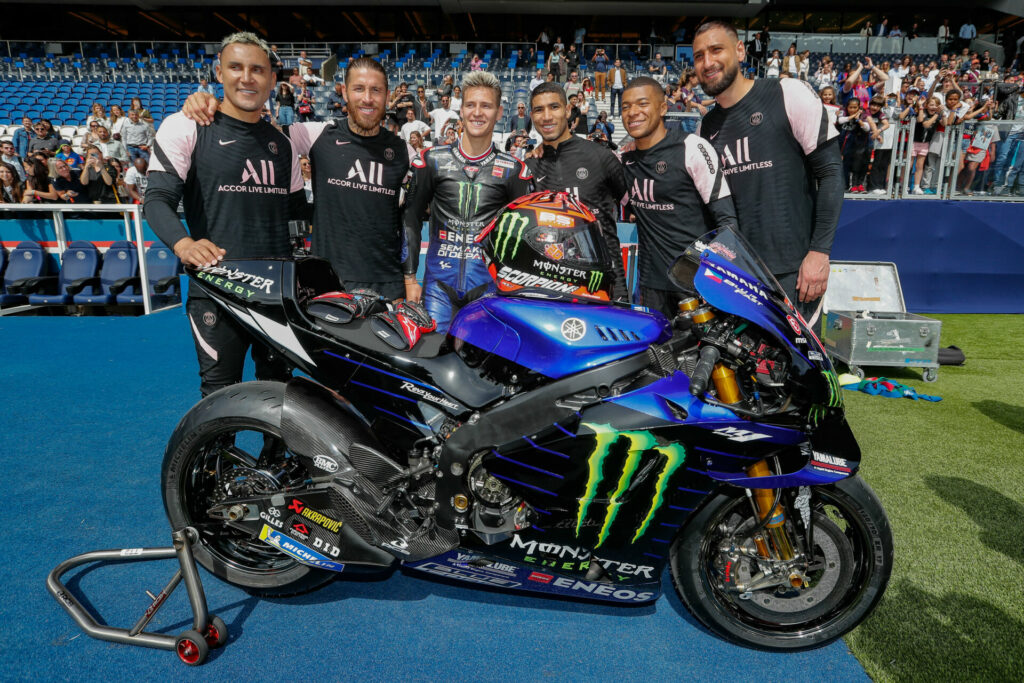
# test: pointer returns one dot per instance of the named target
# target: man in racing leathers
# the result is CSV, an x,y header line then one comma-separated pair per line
x,y
358,170
464,185
589,171
240,182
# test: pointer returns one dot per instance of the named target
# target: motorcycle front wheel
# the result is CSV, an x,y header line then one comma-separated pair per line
x,y
229,445
848,572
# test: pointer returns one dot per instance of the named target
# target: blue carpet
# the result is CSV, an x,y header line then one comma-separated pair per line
x,y
88,404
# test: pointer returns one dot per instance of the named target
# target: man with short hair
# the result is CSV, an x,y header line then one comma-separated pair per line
x,y
592,173
537,79
676,190
464,185
137,136
440,117
413,124
336,104
112,149
358,170
45,140
781,156
572,86
617,82
135,180
8,156
240,182
276,63
204,86
521,121
657,69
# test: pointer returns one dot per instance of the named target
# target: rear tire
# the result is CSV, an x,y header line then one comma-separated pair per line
x,y
852,563
205,452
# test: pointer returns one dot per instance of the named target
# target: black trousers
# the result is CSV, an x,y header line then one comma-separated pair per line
x,y
880,169
664,300
788,282
221,345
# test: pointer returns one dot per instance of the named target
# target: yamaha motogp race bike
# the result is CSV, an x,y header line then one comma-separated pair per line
x,y
559,446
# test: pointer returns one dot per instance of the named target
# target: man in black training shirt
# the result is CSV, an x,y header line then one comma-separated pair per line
x,y
675,188
782,160
580,167
358,169
238,178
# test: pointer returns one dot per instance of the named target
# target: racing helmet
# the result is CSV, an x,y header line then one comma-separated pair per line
x,y
548,245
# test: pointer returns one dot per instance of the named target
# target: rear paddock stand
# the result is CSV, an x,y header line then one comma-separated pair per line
x,y
191,646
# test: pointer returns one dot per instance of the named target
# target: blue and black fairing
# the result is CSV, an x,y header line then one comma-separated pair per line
x,y
724,270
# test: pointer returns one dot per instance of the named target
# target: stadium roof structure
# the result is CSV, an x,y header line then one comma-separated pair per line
x,y
731,8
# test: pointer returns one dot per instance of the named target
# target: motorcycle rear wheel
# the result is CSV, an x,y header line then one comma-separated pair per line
x,y
853,560
232,438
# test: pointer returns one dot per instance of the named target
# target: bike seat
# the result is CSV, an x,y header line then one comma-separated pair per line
x,y
358,333
429,360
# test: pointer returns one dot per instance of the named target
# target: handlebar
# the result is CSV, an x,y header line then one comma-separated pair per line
x,y
709,355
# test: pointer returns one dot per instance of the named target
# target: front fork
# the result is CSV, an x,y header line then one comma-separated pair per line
x,y
772,539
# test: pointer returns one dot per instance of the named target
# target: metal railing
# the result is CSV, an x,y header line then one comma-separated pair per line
x,y
131,214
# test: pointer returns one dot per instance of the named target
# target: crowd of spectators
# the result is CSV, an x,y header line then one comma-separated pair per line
x,y
38,165
872,104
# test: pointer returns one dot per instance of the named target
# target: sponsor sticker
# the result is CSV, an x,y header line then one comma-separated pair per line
x,y
300,552
325,463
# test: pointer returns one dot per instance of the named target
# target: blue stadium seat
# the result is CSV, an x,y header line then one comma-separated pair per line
x,y
120,263
81,259
162,269
27,261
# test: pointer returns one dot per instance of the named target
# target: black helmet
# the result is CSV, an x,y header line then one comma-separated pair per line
x,y
551,242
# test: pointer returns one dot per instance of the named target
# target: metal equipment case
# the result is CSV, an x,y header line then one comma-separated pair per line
x,y
867,323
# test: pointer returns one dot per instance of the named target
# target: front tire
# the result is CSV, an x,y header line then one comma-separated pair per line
x,y
230,444
851,567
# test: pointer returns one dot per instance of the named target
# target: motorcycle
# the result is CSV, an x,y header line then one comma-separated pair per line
x,y
573,448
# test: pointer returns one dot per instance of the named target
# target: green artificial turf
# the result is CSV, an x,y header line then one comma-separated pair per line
x,y
951,477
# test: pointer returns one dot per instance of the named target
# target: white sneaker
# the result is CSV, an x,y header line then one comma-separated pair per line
x,y
878,191
918,190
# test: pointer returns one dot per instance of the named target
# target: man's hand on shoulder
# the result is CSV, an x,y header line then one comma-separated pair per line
x,y
200,107
812,280
198,252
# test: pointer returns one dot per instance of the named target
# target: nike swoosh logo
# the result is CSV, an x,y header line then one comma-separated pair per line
x,y
229,142
540,178
713,136
630,163
339,142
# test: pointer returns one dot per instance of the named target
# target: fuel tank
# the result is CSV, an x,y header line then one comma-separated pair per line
x,y
556,338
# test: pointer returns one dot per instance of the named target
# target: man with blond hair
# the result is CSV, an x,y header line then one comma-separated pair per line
x,y
464,185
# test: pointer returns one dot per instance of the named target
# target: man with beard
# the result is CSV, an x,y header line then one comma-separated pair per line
x,y
358,170
240,182
464,185
676,190
782,160
567,163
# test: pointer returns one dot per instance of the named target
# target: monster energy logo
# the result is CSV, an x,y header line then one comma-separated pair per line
x,y
595,280
511,223
835,395
469,198
637,443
